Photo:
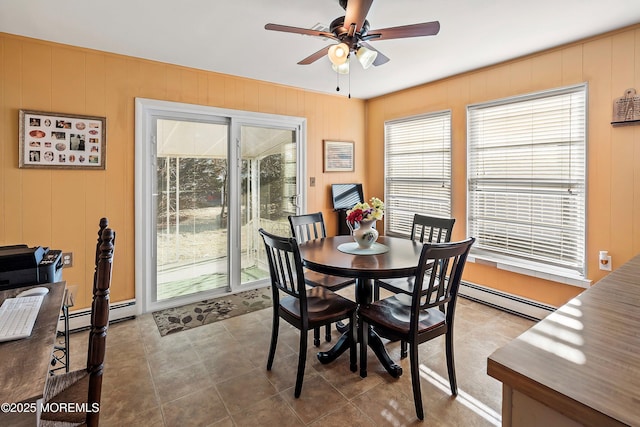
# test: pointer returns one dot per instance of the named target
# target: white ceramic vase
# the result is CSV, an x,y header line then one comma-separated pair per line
x,y
365,235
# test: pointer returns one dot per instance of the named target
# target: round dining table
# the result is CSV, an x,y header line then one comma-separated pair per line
x,y
398,258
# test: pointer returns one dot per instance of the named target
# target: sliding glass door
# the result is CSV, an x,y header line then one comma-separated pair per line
x,y
191,207
268,192
207,182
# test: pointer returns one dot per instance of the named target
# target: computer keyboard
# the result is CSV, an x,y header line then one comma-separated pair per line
x,y
17,317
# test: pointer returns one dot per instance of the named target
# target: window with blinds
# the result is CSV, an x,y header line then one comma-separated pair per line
x,y
417,170
526,177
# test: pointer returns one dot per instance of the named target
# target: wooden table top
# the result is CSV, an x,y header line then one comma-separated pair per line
x,y
25,363
323,255
584,359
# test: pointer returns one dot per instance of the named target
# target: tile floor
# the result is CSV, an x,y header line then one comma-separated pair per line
x,y
215,375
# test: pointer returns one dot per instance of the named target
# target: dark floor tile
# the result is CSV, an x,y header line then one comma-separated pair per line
x,y
215,375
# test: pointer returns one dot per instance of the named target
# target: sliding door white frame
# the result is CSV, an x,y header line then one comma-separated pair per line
x,y
147,111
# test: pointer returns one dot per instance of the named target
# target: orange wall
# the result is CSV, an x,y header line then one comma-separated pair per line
x,y
61,208
609,64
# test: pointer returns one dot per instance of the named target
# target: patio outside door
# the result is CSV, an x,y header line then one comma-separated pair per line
x,y
268,192
206,180
197,213
191,207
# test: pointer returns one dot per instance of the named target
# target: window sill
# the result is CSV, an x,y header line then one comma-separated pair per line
x,y
530,268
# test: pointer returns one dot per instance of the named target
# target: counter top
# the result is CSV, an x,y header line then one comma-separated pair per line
x,y
25,363
583,360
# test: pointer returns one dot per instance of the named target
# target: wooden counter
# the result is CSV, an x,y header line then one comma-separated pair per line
x,y
581,364
25,363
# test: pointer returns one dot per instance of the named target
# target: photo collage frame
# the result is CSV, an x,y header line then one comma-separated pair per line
x,y
56,140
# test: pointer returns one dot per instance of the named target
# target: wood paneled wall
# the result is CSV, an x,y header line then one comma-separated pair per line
x,y
61,208
609,64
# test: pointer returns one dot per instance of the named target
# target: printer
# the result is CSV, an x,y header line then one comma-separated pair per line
x,y
21,265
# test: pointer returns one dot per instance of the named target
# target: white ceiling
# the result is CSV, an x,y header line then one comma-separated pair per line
x,y
229,36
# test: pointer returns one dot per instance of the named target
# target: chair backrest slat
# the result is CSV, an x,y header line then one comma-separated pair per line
x,y
441,264
307,227
431,229
285,267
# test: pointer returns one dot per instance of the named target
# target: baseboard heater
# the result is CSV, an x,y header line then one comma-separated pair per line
x,y
530,309
81,319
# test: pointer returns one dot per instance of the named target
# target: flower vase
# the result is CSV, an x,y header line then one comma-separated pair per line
x,y
366,234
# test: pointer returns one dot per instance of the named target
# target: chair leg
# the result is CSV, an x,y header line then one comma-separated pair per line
x,y
327,333
363,339
376,291
403,349
302,361
65,311
451,368
415,380
353,350
274,339
316,337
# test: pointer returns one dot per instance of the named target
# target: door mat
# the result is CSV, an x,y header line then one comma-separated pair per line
x,y
172,320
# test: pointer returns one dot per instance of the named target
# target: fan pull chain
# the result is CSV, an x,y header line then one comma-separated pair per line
x,y
349,84
337,81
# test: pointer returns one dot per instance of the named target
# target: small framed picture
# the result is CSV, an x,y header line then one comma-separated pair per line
x,y
58,140
338,156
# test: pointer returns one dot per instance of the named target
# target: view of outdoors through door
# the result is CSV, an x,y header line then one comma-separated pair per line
x,y
268,192
192,208
192,203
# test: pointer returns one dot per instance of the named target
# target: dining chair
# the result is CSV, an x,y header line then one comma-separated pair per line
x,y
427,312
303,308
424,229
84,387
310,227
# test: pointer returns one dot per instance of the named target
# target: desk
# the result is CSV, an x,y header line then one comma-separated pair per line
x,y
579,365
25,363
323,256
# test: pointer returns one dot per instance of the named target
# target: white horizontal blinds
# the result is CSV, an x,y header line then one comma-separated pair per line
x,y
417,170
526,170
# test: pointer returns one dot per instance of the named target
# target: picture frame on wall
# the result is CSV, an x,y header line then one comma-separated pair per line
x,y
338,156
64,141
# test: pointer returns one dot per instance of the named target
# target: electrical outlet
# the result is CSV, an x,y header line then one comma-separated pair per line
x,y
605,261
67,259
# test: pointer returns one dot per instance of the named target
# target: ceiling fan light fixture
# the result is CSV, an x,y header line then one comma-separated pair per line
x,y
338,53
366,56
342,68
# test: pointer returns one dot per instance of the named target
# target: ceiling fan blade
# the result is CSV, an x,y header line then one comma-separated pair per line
x,y
380,59
297,30
356,13
315,56
415,30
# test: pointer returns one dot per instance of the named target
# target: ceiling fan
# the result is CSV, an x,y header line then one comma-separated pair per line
x,y
351,33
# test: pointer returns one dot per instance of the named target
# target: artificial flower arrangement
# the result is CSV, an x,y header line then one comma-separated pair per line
x,y
372,211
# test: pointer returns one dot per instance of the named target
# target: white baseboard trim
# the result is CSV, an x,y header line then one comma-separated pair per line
x,y
81,319
524,307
